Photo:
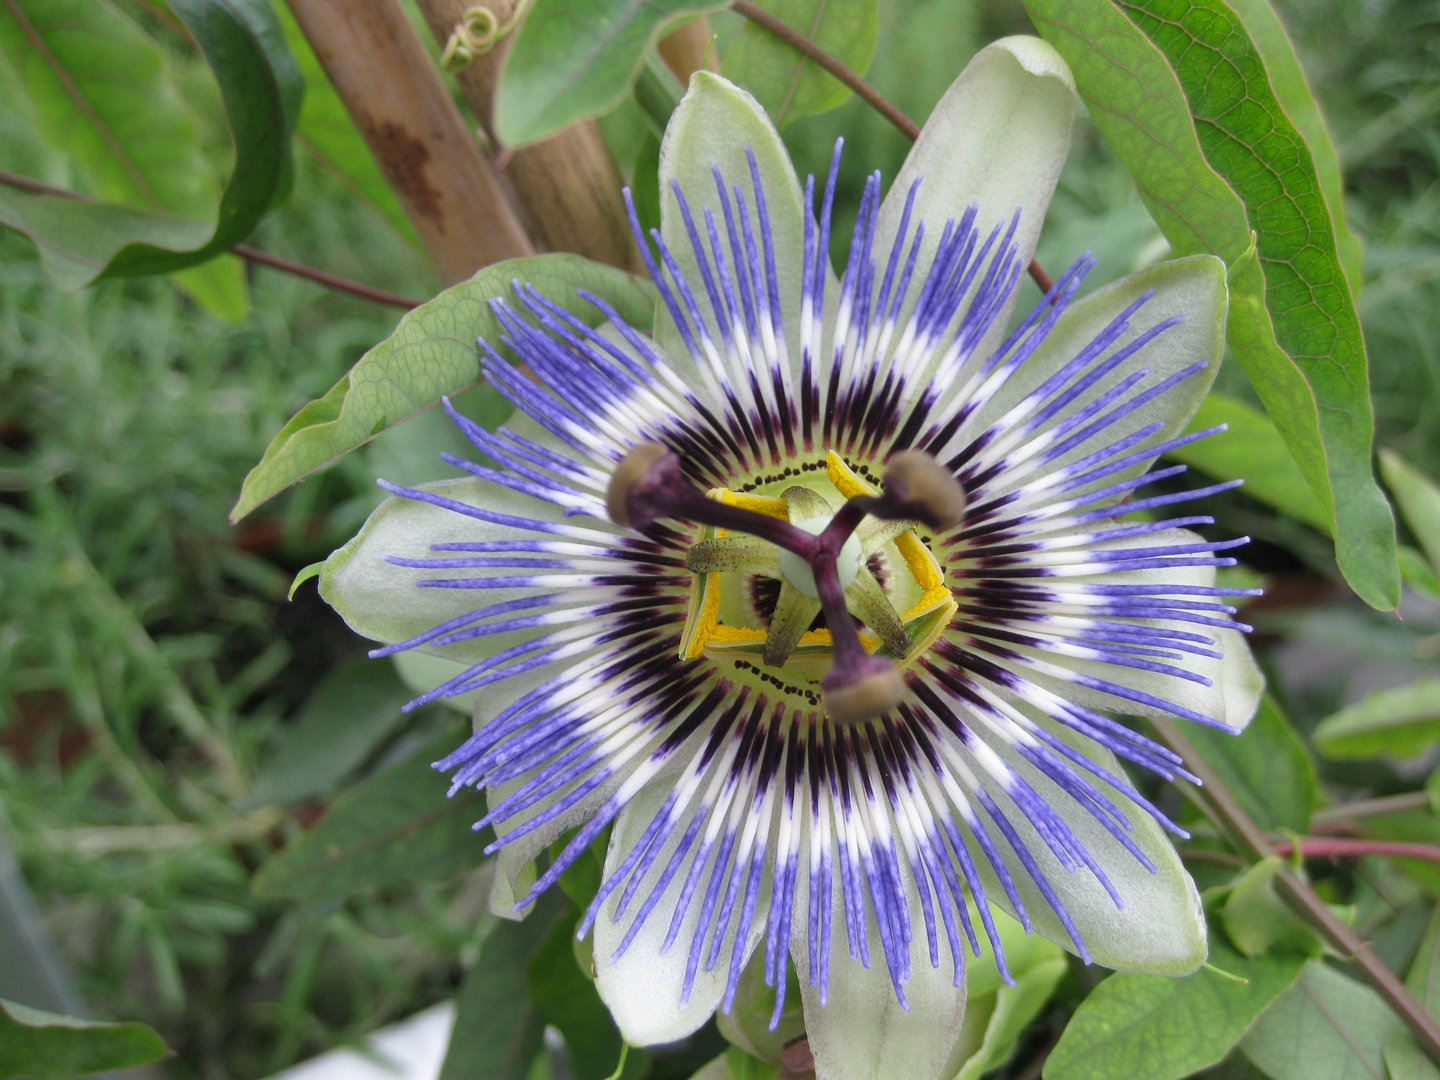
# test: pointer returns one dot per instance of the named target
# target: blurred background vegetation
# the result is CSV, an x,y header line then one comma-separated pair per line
x,y
157,688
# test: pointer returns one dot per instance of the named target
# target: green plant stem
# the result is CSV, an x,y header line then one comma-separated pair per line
x,y
1249,839
245,251
863,90
1330,816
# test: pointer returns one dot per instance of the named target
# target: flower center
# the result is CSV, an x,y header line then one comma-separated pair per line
x,y
818,553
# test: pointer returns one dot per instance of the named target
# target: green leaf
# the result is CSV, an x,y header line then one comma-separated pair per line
x,y
1326,1027
1293,91
1419,500
1401,722
1159,1028
1248,139
498,1032
565,997
100,92
327,131
570,60
396,827
91,52
432,353
1292,319
1267,768
1418,572
789,85
344,719
1403,1056
1253,451
45,1046
1257,921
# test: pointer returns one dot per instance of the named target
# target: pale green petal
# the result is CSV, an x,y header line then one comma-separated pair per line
x,y
862,1032
998,139
386,603
1192,289
1161,929
642,988
1236,682
714,124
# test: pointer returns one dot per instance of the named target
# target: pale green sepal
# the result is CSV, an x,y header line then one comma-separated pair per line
x,y
861,1032
714,124
642,987
998,138
386,603
1161,928
1192,289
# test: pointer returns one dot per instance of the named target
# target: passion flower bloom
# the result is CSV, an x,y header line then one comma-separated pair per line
x,y
820,597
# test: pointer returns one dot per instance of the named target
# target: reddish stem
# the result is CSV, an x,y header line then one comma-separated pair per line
x,y
1330,847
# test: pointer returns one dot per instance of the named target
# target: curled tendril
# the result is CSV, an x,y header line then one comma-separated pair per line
x,y
478,31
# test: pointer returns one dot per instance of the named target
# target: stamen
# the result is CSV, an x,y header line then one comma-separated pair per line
x,y
917,488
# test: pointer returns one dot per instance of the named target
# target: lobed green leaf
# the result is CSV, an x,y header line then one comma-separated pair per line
x,y
790,85
1326,1027
1292,90
100,92
1403,1056
1182,95
432,354
570,60
44,1046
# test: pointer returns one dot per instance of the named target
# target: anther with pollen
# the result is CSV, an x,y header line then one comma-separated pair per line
x,y
650,484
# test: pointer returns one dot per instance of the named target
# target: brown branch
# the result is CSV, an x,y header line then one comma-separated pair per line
x,y
332,281
1249,839
566,186
449,190
872,97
